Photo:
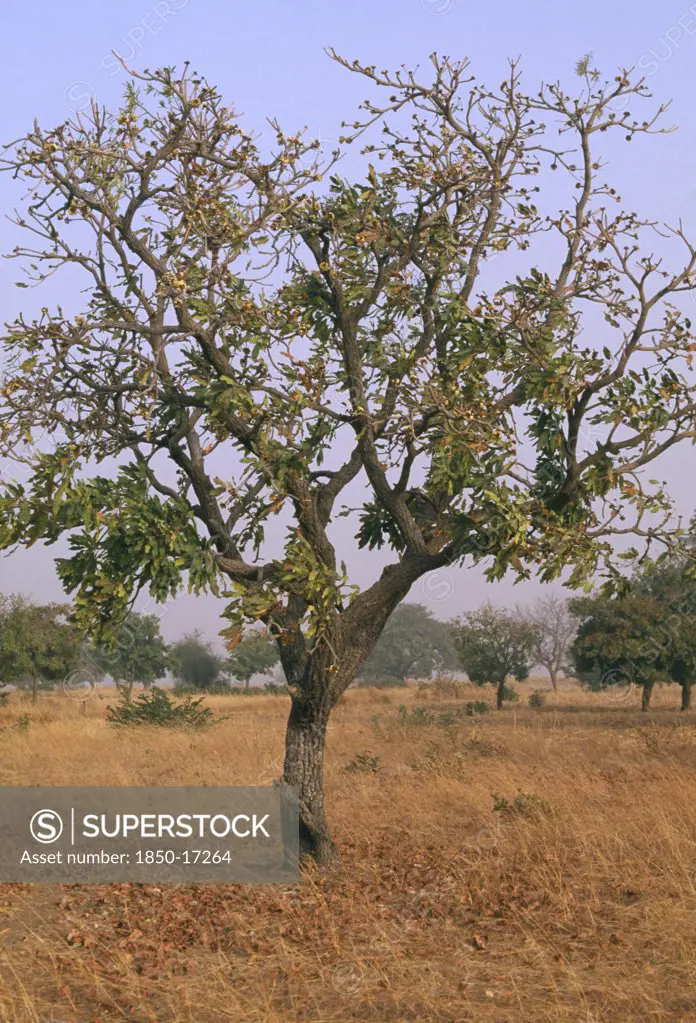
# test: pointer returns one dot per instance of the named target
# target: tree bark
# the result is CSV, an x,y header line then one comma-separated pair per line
x,y
499,695
645,699
686,696
554,680
305,743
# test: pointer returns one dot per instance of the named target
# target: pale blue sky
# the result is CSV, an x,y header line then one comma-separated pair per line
x,y
267,58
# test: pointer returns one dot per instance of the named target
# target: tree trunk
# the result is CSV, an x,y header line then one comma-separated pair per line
x,y
305,742
317,675
554,680
645,699
686,696
499,695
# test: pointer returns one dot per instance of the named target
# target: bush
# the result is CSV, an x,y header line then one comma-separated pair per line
x,y
476,707
421,716
537,699
526,804
510,694
157,707
363,763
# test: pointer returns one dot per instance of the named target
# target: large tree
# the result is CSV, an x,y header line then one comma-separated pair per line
x,y
413,644
253,342
494,644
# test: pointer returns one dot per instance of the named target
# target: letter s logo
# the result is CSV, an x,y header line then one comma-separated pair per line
x,y
46,826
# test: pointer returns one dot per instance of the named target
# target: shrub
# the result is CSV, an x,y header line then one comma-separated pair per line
x,y
363,763
537,699
476,707
421,716
525,804
510,694
157,707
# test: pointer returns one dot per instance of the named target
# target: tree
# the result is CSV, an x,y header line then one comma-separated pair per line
x,y
38,645
554,628
134,652
414,644
255,654
493,644
671,581
254,341
194,662
615,643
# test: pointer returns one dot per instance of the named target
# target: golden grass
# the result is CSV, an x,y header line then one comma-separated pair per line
x,y
578,906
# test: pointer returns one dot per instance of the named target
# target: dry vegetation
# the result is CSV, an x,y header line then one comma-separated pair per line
x,y
576,903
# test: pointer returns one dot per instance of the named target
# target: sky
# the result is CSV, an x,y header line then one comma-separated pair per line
x,y
268,59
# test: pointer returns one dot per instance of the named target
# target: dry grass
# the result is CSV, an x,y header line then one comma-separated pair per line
x,y
578,905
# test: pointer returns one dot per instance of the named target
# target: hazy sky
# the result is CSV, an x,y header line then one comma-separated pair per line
x,y
267,58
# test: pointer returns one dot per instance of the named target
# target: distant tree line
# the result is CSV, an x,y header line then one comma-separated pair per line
x,y
641,636
40,647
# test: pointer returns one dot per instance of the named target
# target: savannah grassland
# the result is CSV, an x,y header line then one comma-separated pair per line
x,y
577,903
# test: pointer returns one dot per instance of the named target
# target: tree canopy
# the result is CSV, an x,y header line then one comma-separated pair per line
x,y
38,645
492,645
255,654
644,636
413,644
194,663
134,652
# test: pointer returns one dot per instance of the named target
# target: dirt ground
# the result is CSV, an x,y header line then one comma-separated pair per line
x,y
534,865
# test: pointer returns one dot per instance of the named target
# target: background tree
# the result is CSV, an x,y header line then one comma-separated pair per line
x,y
615,643
671,581
255,654
492,645
194,663
413,644
38,645
134,652
554,628
253,342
